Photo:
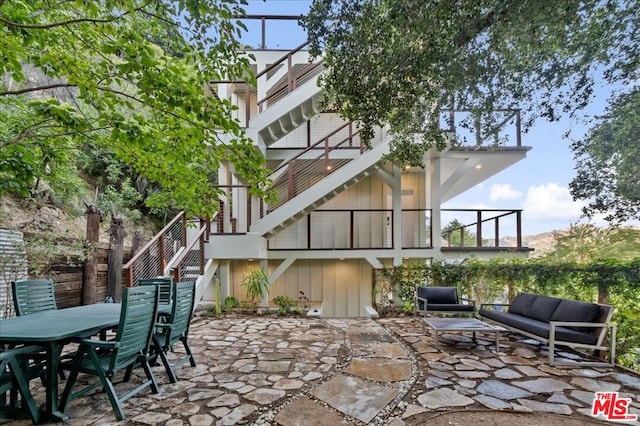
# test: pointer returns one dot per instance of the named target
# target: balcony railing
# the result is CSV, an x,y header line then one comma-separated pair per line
x,y
482,228
499,128
352,229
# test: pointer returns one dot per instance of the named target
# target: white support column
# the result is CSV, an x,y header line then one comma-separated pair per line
x,y
224,176
397,215
224,273
264,265
434,197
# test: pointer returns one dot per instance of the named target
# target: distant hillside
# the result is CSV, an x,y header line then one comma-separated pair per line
x,y
540,243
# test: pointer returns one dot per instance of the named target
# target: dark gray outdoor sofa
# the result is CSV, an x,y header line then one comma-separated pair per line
x,y
558,322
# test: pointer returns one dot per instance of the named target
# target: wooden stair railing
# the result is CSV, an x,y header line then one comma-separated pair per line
x,y
294,79
192,258
154,257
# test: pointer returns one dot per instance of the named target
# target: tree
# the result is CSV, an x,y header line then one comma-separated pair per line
x,y
103,82
401,62
608,162
587,243
458,235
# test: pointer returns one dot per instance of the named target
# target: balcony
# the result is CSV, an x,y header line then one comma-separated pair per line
x,y
372,229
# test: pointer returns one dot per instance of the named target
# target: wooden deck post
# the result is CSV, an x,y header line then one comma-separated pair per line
x,y
90,280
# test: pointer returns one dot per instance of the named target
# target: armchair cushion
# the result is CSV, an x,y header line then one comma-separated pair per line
x,y
439,295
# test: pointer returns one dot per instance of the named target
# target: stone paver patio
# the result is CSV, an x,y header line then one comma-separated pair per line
x,y
322,371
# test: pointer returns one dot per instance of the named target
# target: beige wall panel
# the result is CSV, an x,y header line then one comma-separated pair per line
x,y
343,286
328,289
315,281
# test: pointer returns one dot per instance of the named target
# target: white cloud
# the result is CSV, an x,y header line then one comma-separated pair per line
x,y
503,192
551,202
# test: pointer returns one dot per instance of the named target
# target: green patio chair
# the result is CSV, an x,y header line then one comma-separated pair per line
x,y
176,329
31,296
165,287
129,349
16,370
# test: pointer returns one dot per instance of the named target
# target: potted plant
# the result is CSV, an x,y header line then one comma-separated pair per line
x,y
256,285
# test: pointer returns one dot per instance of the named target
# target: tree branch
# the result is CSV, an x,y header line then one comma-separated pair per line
x,y
36,89
64,23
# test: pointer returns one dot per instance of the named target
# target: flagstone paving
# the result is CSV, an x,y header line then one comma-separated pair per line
x,y
319,371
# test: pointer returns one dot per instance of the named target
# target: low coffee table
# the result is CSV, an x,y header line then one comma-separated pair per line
x,y
440,325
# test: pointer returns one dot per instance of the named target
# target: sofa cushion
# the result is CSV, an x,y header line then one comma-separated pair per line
x,y
439,295
539,328
576,310
449,307
543,308
522,303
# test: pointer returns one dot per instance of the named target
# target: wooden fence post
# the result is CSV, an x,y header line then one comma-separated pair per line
x,y
114,259
89,285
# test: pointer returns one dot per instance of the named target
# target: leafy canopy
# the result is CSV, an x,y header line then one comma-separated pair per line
x,y
100,80
608,162
400,62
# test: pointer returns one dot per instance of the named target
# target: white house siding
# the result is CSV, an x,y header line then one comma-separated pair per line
x,y
343,286
321,125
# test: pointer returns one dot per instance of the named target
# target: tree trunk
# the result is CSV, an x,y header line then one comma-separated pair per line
x,y
114,259
89,285
603,293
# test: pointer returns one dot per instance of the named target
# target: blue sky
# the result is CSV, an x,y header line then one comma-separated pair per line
x,y
538,184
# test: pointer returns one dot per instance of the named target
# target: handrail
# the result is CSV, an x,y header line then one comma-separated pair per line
x,y
374,229
478,224
281,59
154,256
187,254
154,239
511,113
315,145
323,166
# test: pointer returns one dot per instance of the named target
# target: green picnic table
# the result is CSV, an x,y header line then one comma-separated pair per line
x,y
53,329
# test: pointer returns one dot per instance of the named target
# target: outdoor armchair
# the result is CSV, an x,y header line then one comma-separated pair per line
x,y
165,287
441,300
31,296
129,349
16,370
176,329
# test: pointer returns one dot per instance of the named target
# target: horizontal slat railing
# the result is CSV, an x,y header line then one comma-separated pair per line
x,y
154,257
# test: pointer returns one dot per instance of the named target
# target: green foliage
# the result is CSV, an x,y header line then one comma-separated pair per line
x,y
608,162
499,280
256,284
458,235
229,303
398,61
284,304
79,73
584,243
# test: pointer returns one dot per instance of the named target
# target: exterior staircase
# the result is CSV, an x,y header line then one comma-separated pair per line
x,y
290,112
322,191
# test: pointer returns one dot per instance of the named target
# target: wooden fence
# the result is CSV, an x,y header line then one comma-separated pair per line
x,y
69,279
67,272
